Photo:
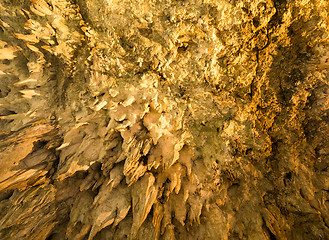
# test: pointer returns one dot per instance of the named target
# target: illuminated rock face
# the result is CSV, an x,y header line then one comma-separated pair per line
x,y
164,119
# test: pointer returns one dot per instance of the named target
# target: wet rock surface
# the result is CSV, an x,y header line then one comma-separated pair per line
x,y
164,119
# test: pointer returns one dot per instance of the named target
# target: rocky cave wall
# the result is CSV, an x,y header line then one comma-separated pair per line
x,y
164,119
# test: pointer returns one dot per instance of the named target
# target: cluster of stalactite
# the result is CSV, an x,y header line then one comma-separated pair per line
x,y
165,119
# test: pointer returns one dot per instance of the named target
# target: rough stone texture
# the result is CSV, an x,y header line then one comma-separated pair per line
x,y
160,119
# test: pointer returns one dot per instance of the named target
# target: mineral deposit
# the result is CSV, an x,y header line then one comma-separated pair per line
x,y
164,119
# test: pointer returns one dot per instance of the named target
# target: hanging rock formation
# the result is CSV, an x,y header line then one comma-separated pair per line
x,y
201,119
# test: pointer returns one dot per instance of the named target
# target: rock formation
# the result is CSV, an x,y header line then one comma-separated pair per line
x,y
164,119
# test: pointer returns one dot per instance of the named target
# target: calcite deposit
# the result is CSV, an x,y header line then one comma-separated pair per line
x,y
164,119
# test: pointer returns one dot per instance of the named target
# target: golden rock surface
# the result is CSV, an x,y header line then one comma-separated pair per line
x,y
164,119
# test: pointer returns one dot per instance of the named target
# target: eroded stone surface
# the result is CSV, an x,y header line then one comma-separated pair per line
x,y
164,119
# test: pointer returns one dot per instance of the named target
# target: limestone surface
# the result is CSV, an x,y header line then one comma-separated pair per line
x,y
164,119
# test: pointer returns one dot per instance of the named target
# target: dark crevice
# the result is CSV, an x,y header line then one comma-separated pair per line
x,y
54,169
267,231
5,195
